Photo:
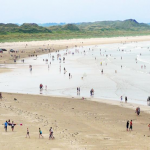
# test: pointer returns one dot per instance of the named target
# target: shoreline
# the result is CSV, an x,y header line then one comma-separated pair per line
x,y
122,104
30,48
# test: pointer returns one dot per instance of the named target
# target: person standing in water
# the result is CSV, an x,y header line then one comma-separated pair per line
x,y
126,99
121,98
79,90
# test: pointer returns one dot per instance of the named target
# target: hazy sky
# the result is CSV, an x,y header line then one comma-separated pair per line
x,y
44,11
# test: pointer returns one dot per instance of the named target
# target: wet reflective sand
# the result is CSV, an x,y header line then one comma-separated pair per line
x,y
131,80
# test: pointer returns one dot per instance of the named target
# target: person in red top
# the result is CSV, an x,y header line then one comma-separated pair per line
x,y
41,86
130,125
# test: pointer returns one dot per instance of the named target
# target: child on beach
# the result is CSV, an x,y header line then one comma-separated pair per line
x,y
40,133
27,133
12,126
51,133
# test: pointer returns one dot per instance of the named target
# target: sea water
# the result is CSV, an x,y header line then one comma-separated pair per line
x,y
85,65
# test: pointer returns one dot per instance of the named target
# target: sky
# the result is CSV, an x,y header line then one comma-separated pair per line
x,y
72,11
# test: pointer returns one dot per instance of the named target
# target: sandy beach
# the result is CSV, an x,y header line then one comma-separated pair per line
x,y
29,48
77,124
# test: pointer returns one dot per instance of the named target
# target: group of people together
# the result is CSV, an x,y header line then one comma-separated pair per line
x,y
8,123
40,133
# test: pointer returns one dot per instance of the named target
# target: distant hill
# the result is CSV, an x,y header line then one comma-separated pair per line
x,y
129,24
24,28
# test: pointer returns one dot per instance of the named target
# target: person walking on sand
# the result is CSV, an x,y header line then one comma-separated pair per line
x,y
130,125
127,125
5,126
137,110
51,133
77,90
27,133
40,133
12,126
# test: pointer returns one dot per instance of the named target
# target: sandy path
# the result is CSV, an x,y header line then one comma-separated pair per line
x,y
78,124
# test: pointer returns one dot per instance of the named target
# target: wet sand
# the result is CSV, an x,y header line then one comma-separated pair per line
x,y
77,124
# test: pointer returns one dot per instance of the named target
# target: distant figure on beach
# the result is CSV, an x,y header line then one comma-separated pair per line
x,y
45,87
12,126
1,96
102,71
121,98
149,126
40,133
5,126
126,99
30,66
137,111
130,126
27,133
127,125
41,86
92,91
51,133
79,90
69,75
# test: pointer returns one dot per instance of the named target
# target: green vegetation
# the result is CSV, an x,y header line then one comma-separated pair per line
x,y
30,32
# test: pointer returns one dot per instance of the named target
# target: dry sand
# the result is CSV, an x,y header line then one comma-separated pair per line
x,y
77,124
